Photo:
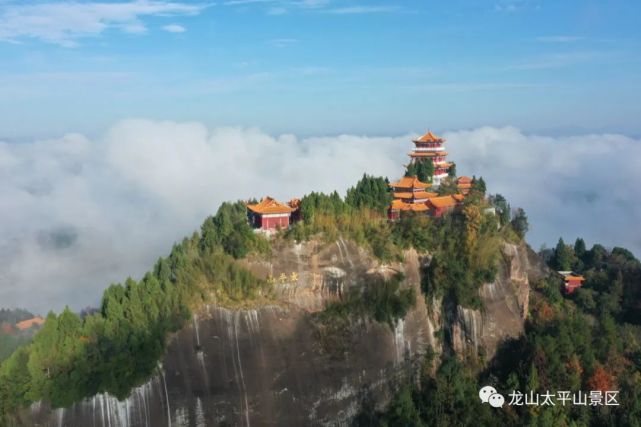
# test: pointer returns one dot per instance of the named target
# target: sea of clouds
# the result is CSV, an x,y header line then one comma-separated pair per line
x,y
77,214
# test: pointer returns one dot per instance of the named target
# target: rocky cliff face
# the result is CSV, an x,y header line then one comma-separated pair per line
x,y
505,306
267,366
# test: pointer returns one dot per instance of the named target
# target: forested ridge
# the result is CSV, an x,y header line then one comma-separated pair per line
x,y
119,345
588,341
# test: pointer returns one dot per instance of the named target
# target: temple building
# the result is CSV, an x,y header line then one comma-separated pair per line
x,y
571,281
270,214
409,194
410,190
464,184
443,204
412,195
430,147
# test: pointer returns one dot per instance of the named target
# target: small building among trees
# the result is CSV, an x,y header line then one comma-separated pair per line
x,y
270,214
438,206
571,281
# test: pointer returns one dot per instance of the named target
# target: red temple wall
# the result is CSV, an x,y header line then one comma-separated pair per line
x,y
274,222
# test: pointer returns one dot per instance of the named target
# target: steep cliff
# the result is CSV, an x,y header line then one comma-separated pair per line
x,y
505,305
270,365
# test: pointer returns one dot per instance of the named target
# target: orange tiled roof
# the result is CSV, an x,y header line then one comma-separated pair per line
x,y
429,137
269,206
572,277
410,182
414,195
424,195
404,195
398,205
418,207
428,153
30,323
464,180
442,202
458,197
464,185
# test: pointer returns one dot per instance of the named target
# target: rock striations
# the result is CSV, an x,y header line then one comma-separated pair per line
x,y
265,366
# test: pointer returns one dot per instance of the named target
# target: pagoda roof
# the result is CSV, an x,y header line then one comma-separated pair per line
x,y
417,207
429,137
399,205
404,195
442,202
458,197
570,275
424,195
414,195
464,185
269,206
410,182
464,180
438,153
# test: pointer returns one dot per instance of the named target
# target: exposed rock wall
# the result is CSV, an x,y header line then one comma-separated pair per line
x,y
505,305
265,367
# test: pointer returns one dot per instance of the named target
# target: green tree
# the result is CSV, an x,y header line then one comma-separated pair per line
x,y
452,171
423,169
370,192
402,411
502,209
563,256
478,185
579,248
15,382
57,362
520,223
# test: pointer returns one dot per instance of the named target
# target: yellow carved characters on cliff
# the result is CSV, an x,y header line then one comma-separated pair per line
x,y
283,278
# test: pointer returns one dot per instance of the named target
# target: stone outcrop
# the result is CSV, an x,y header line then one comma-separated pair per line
x,y
505,305
266,366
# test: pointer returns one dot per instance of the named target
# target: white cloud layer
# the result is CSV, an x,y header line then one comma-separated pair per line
x,y
65,22
77,214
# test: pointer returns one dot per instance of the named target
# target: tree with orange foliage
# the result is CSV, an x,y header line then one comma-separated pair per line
x,y
545,312
600,380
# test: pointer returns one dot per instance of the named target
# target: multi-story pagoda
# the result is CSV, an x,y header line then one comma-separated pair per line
x,y
409,194
429,147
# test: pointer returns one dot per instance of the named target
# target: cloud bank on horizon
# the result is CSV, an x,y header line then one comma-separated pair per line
x,y
77,214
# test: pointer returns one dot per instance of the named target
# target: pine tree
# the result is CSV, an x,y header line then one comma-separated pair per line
x,y
520,223
563,256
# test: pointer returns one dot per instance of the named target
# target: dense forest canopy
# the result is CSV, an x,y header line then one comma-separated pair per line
x,y
587,341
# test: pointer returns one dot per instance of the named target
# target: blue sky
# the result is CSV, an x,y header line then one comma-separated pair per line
x,y
316,67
